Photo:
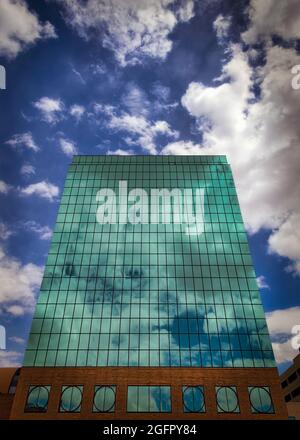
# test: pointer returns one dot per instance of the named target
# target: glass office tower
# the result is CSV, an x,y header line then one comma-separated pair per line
x,y
149,301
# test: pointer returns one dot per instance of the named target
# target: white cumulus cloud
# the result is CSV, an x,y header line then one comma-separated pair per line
x,y
285,241
5,232
42,189
51,109
4,187
142,132
77,111
180,148
19,27
23,140
260,138
10,359
135,100
132,29
273,17
119,152
221,26
280,324
68,147
19,283
17,339
44,232
27,169
262,282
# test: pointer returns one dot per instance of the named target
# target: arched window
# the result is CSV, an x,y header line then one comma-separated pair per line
x,y
193,399
37,399
260,400
227,400
71,398
104,398
14,382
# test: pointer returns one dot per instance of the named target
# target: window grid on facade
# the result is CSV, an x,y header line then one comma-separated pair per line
x,y
150,294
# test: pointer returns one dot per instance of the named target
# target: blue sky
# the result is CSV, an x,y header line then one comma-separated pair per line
x,y
149,77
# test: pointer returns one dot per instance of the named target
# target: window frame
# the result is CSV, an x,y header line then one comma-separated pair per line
x,y
237,409
184,407
149,386
64,388
30,390
265,388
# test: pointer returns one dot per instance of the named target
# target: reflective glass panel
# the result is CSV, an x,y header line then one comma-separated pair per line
x,y
104,398
193,399
149,399
227,399
140,287
260,399
71,399
37,400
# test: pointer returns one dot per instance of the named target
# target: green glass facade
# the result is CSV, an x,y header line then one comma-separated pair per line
x,y
149,294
